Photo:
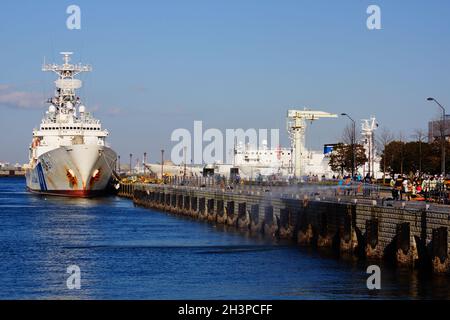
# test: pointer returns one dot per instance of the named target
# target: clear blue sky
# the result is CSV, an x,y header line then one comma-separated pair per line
x,y
160,65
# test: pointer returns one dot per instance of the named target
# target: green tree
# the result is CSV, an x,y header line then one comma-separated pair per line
x,y
405,157
341,158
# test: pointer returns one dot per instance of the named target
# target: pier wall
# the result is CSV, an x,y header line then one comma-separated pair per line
x,y
365,229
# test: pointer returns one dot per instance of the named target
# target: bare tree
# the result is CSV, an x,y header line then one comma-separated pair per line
x,y
384,138
348,137
419,135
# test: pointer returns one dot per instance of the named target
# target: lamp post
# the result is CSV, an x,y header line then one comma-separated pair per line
x,y
131,165
184,153
353,144
442,136
118,159
145,160
162,164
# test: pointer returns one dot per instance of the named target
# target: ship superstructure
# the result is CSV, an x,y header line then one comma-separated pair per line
x,y
69,154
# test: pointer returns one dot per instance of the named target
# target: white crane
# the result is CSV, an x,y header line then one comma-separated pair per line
x,y
296,127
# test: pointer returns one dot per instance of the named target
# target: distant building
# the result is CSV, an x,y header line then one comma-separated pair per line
x,y
434,129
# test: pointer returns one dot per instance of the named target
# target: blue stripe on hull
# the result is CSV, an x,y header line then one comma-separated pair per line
x,y
41,177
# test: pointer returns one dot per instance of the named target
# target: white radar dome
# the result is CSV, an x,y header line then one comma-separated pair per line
x,y
69,105
82,109
51,108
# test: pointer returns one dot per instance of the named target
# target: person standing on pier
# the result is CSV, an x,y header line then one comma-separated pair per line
x,y
398,188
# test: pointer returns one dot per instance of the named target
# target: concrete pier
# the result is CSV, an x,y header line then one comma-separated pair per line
x,y
366,229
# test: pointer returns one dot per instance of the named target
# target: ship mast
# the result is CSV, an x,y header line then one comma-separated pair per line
x,y
66,84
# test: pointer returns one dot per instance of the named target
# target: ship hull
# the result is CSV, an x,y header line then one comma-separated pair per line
x,y
72,171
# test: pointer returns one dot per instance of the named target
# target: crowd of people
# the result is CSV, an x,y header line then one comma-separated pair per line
x,y
418,188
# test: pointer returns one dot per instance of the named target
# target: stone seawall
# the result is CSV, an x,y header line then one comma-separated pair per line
x,y
406,237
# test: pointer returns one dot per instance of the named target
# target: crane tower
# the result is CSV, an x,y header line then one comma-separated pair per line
x,y
296,127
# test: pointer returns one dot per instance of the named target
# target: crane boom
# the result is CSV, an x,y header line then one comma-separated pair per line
x,y
296,126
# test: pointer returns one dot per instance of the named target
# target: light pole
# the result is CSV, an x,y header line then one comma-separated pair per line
x,y
118,158
145,160
162,164
353,144
442,136
184,152
131,165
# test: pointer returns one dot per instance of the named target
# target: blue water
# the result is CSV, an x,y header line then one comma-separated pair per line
x,y
126,252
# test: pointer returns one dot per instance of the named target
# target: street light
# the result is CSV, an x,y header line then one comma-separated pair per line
x,y
442,136
353,144
162,164
131,170
145,161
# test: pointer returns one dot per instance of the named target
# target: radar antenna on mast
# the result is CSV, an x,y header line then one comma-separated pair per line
x,y
368,128
66,84
61,70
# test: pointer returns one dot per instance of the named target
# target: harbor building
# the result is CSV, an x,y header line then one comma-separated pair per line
x,y
435,127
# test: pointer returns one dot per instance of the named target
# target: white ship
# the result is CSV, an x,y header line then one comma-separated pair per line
x,y
69,155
